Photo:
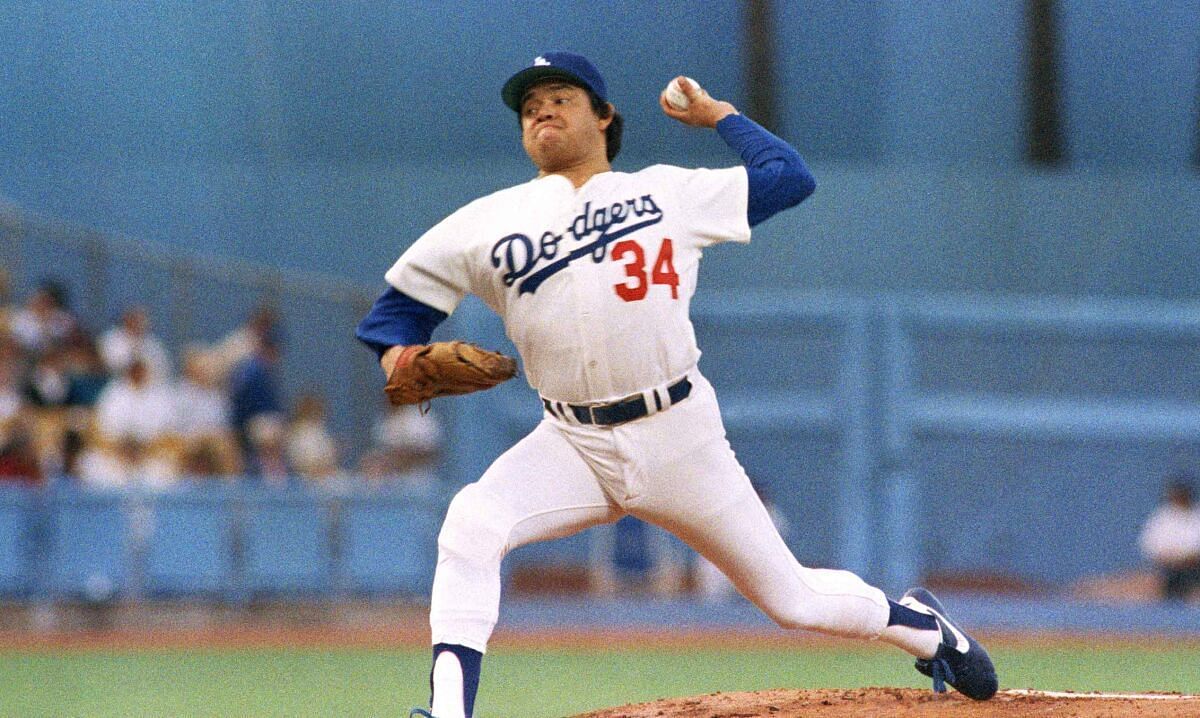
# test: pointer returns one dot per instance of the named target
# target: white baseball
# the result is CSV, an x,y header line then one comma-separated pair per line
x,y
675,96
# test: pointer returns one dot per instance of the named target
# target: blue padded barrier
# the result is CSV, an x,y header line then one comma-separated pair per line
x,y
17,539
88,552
388,542
190,546
286,542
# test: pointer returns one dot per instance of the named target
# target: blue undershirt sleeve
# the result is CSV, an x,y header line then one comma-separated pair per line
x,y
397,319
778,177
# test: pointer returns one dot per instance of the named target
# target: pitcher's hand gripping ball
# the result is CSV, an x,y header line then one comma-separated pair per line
x,y
427,371
675,96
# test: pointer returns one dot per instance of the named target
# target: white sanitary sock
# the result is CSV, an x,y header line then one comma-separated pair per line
x,y
447,687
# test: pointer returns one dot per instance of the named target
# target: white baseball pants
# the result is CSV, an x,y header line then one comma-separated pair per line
x,y
674,469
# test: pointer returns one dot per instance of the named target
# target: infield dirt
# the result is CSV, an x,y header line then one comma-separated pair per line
x,y
896,702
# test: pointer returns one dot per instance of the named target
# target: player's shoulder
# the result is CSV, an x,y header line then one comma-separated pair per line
x,y
500,196
487,205
676,172
665,170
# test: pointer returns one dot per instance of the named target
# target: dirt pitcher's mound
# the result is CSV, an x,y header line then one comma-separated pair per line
x,y
907,702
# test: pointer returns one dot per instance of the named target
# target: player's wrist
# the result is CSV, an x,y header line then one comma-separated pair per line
x,y
388,360
721,111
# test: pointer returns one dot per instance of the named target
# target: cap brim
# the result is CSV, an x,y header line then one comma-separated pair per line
x,y
514,90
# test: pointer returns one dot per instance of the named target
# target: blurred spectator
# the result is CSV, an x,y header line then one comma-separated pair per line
x,y
631,557
84,371
47,384
126,463
406,447
18,458
202,419
311,450
209,457
202,406
261,328
11,399
254,393
267,462
6,308
133,407
132,339
44,320
1170,539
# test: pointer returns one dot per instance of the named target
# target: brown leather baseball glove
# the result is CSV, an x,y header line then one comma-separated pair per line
x,y
427,371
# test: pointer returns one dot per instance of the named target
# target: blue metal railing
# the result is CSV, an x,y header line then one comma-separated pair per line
x,y
900,435
229,543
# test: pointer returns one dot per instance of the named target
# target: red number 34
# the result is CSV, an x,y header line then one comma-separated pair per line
x,y
635,287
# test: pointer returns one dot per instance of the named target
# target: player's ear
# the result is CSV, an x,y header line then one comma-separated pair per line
x,y
607,119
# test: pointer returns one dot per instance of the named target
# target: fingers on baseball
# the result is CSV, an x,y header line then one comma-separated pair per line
x,y
688,89
668,107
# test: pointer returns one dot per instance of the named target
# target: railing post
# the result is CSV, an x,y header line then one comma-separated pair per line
x,y
366,384
95,266
855,490
12,247
901,519
183,284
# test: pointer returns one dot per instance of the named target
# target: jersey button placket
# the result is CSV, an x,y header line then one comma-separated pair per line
x,y
584,285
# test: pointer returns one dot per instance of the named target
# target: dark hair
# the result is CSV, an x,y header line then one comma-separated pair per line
x,y
1181,485
600,108
57,292
612,134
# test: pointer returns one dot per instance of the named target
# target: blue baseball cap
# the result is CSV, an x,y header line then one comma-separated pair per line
x,y
567,65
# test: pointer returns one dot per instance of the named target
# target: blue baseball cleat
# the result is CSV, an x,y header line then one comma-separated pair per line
x,y
420,712
959,661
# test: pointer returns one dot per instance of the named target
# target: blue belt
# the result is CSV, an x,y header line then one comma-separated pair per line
x,y
619,412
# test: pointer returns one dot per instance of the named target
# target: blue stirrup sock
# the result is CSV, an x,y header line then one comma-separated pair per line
x,y
905,616
459,665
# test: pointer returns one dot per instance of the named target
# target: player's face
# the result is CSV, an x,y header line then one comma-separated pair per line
x,y
559,128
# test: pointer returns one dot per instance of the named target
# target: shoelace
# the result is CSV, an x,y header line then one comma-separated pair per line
x,y
941,674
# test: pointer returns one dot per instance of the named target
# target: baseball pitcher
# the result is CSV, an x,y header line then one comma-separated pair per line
x,y
592,271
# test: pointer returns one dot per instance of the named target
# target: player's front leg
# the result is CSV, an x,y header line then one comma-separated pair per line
x,y
539,489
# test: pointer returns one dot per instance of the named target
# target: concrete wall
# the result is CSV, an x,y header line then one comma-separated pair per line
x,y
327,137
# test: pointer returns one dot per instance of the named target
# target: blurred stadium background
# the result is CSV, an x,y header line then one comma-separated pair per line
x,y
972,358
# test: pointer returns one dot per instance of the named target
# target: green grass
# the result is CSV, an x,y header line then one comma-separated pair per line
x,y
526,683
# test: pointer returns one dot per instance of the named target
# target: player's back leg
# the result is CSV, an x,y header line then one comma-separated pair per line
x,y
687,480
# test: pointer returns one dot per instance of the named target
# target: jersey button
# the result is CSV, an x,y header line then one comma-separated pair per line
x,y
592,364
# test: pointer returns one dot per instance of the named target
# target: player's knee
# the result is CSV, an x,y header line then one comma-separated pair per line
x,y
797,617
476,528
816,613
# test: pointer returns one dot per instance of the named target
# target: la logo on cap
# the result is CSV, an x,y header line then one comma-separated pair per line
x,y
539,60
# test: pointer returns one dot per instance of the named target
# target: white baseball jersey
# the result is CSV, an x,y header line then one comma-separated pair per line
x,y
593,283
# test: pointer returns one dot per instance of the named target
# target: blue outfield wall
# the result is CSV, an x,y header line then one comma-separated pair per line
x,y
223,542
328,137
1098,231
